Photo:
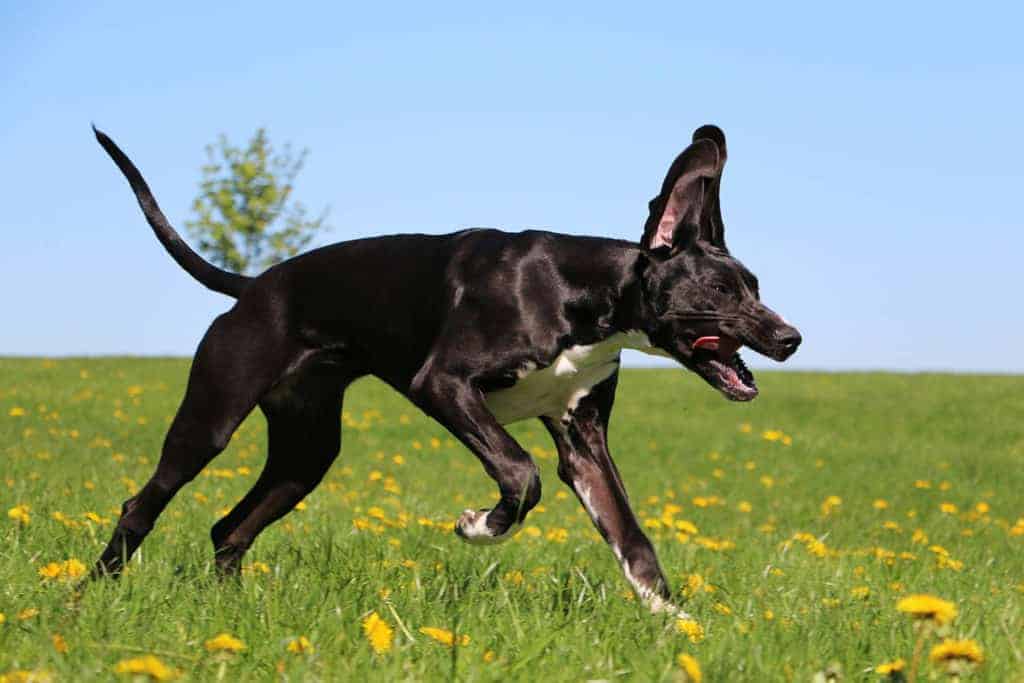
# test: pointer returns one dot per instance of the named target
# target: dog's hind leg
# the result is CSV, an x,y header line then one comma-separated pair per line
x,y
585,464
235,365
304,435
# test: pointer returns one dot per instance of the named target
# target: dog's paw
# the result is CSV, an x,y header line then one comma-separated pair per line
x,y
658,605
472,528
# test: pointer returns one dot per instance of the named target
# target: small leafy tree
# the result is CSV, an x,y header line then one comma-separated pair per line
x,y
244,219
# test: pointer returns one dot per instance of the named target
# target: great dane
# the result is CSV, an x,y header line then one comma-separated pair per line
x,y
478,328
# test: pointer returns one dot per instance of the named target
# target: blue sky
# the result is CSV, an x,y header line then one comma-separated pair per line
x,y
874,179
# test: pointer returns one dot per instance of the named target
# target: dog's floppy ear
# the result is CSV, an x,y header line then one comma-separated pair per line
x,y
676,213
712,228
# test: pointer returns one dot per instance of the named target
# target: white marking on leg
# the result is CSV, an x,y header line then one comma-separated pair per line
x,y
655,603
584,493
473,529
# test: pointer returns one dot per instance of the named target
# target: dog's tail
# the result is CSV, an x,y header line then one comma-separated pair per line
x,y
208,274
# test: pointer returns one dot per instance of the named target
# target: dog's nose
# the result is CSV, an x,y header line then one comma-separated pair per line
x,y
789,340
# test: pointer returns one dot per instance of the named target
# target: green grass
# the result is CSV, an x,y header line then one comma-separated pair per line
x,y
547,609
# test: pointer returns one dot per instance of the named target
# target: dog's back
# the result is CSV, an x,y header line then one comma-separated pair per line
x,y
388,298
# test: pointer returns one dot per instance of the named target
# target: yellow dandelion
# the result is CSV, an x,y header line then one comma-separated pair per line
x,y
860,592
488,656
67,570
301,646
59,644
96,519
690,667
16,411
691,629
948,508
378,633
890,668
50,571
880,504
816,548
830,504
444,636
28,613
224,642
148,666
714,543
957,651
686,527
515,577
256,567
947,562
19,513
694,584
928,607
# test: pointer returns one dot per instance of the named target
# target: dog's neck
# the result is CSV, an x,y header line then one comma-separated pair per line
x,y
633,313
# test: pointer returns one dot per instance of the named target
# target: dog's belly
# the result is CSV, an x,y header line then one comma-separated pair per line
x,y
555,390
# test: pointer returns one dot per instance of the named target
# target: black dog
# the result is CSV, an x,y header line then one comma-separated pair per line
x,y
479,328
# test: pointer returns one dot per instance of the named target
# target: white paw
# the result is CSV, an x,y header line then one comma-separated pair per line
x,y
472,528
658,605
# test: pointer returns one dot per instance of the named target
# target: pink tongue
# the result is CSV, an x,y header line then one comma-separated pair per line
x,y
726,347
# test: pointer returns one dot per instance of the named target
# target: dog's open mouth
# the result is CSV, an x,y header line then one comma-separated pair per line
x,y
717,361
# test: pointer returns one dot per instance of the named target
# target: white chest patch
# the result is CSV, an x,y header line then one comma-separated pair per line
x,y
555,390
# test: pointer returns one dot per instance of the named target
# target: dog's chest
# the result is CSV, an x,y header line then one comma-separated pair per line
x,y
555,390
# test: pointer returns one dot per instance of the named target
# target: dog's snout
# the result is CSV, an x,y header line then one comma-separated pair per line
x,y
788,338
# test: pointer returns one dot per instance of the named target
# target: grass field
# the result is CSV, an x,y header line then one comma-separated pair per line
x,y
790,528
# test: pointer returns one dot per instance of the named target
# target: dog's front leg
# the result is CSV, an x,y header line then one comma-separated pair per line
x,y
460,407
585,464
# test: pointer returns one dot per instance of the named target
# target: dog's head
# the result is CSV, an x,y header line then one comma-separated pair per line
x,y
705,303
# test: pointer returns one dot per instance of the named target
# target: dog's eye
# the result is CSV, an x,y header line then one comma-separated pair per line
x,y
720,288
